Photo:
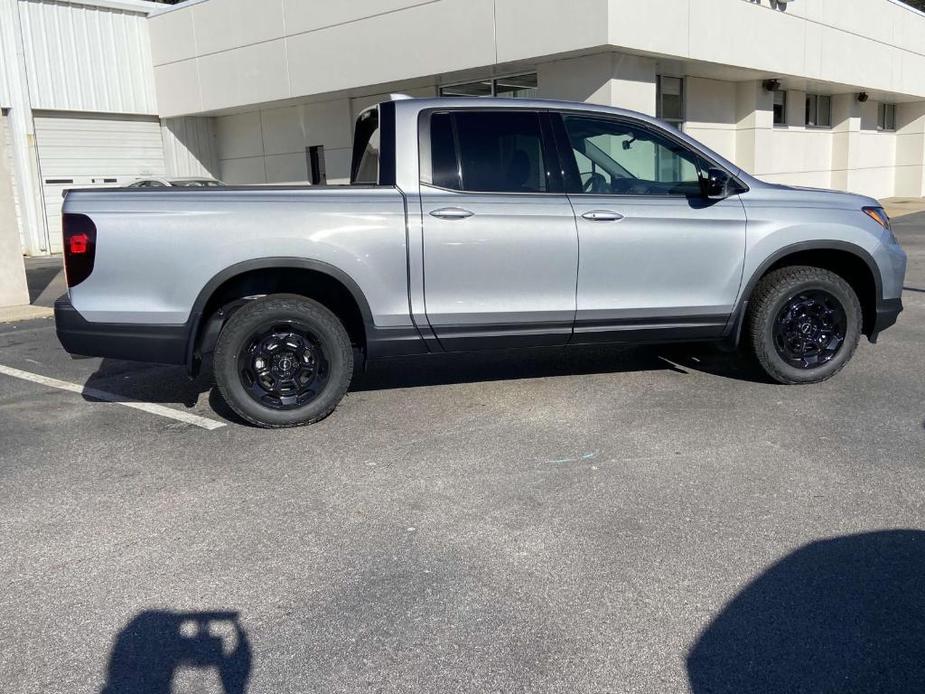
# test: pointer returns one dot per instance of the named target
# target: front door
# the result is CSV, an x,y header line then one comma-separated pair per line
x,y
658,259
500,239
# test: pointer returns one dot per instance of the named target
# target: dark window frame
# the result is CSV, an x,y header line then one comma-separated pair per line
x,y
317,166
492,81
676,122
810,106
886,117
783,107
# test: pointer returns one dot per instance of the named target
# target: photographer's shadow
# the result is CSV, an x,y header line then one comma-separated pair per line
x,y
155,647
845,615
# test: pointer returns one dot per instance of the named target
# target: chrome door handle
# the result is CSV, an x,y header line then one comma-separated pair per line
x,y
451,213
602,216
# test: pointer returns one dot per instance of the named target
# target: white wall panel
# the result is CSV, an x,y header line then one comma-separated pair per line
x,y
244,170
189,147
239,135
287,168
268,146
224,24
82,58
254,74
303,15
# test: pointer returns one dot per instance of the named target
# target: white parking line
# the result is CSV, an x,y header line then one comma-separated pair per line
x,y
195,420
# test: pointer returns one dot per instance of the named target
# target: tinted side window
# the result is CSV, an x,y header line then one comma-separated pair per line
x,y
444,163
620,158
488,151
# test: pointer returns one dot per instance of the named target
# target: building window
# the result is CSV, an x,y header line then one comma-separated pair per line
x,y
670,100
513,87
886,117
516,87
818,111
780,108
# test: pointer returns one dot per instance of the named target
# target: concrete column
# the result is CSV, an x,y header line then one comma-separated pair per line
x,y
22,131
610,79
13,290
910,150
754,127
846,133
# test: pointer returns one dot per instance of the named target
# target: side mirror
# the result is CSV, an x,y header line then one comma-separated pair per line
x,y
717,184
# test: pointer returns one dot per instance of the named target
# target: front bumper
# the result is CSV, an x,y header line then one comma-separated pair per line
x,y
888,311
160,344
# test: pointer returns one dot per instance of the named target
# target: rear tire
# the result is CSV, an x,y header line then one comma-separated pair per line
x,y
283,361
804,324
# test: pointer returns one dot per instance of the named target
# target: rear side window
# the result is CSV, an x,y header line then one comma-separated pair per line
x,y
488,151
366,149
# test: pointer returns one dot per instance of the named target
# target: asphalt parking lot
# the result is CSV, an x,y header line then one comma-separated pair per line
x,y
608,520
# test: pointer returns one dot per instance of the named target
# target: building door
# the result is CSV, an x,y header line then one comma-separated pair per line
x,y
88,150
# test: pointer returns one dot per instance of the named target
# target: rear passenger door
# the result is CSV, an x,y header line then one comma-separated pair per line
x,y
500,238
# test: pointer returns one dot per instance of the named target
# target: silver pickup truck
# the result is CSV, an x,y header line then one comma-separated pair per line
x,y
475,224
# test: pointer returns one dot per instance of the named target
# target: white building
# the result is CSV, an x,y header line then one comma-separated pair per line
x,y
826,93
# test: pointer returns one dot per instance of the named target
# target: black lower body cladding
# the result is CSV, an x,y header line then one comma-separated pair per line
x,y
158,343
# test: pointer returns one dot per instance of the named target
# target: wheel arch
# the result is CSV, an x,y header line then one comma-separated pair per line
x,y
313,279
850,261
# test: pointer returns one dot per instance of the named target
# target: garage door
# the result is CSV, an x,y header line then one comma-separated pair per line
x,y
85,151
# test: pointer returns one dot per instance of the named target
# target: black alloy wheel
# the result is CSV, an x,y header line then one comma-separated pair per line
x,y
282,365
810,329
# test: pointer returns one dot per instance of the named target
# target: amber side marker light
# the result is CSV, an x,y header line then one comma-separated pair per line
x,y
879,215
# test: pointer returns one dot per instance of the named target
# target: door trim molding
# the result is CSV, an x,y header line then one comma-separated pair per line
x,y
676,328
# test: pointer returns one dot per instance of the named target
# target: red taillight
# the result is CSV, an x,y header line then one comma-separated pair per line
x,y
78,244
79,247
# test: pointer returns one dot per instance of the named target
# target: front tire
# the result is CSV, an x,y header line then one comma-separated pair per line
x,y
283,361
804,324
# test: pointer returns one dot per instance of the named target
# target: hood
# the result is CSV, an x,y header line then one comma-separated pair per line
x,y
820,196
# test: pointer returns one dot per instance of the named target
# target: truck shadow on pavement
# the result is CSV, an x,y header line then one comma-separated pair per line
x,y
156,648
445,369
170,384
148,382
840,615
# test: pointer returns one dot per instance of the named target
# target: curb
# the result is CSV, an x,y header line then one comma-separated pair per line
x,y
14,314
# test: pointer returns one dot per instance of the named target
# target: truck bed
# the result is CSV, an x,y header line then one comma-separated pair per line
x,y
156,249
